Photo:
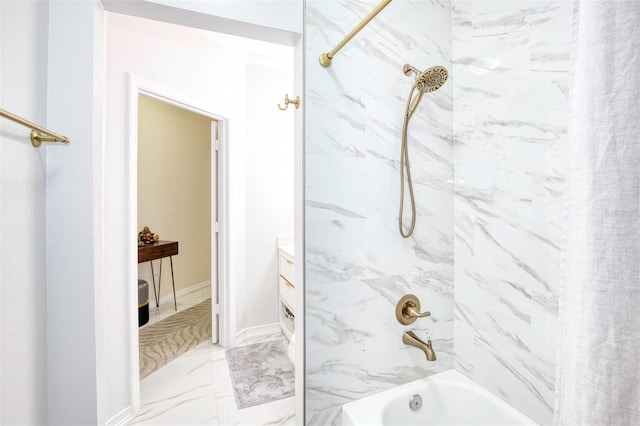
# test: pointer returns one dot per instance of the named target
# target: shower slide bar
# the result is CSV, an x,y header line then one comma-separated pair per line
x,y
325,58
38,133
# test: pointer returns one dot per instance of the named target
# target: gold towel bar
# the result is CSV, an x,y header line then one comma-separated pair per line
x,y
37,136
325,58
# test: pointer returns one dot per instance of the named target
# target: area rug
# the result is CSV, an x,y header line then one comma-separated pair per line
x,y
164,341
260,373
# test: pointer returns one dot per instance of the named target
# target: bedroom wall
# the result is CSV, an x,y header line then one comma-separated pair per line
x,y
174,190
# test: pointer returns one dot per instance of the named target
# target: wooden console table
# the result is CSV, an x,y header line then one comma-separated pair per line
x,y
159,250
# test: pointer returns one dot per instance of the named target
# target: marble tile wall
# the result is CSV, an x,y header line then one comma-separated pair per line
x,y
511,63
357,264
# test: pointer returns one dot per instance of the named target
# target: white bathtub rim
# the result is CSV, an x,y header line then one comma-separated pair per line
x,y
360,410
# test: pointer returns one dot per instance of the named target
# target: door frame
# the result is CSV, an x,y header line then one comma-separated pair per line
x,y
220,284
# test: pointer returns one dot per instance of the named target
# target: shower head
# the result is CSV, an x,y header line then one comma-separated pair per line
x,y
432,79
427,81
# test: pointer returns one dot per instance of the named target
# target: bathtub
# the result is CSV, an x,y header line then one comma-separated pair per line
x,y
448,398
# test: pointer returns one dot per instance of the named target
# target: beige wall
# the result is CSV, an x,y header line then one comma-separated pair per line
x,y
174,189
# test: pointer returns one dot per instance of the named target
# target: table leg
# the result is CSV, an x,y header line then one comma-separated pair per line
x,y
175,301
160,280
153,279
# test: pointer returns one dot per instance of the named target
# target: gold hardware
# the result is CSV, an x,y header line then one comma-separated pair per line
x,y
287,282
288,261
427,81
410,338
37,136
408,310
325,58
288,101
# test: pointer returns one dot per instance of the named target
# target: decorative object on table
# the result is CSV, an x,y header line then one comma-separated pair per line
x,y
260,373
147,237
165,340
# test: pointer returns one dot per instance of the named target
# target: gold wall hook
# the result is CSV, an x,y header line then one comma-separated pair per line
x,y
288,101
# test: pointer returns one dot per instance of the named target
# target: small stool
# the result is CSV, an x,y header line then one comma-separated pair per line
x,y
143,302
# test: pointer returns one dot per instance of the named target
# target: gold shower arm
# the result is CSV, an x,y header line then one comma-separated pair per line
x,y
37,136
325,58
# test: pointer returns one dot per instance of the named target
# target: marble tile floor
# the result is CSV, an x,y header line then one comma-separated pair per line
x,y
196,389
184,301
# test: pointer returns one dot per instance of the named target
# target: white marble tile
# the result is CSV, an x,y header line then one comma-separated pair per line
x,y
522,379
511,62
335,251
430,247
390,363
183,384
330,195
358,265
335,376
330,417
281,412
196,388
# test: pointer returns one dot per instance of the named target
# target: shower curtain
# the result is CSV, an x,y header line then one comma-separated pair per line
x,y
598,368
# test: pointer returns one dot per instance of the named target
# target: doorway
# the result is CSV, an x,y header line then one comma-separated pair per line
x,y
217,89
158,102
177,203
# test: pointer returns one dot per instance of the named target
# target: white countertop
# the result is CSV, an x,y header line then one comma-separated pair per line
x,y
286,245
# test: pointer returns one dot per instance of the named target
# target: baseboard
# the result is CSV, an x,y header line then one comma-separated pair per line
x,y
257,332
169,297
122,418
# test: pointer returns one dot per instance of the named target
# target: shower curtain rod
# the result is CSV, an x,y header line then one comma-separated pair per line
x,y
325,58
38,133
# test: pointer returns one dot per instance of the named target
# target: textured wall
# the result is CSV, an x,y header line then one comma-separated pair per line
x,y
23,307
510,95
357,264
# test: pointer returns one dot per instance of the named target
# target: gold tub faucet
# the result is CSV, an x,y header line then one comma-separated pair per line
x,y
410,338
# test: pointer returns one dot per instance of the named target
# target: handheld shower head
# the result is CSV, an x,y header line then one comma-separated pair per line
x,y
427,81
432,79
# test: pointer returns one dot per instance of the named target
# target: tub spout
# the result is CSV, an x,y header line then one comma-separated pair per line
x,y
410,338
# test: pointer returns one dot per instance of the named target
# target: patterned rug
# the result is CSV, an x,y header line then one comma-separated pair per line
x,y
260,373
164,341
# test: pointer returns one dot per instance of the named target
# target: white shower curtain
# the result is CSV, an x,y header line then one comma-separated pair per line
x,y
598,373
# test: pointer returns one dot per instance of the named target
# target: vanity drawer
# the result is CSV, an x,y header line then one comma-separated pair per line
x,y
287,292
286,269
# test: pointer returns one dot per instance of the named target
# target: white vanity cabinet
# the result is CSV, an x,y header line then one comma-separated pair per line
x,y
287,291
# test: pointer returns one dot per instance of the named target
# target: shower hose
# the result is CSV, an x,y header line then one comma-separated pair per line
x,y
404,165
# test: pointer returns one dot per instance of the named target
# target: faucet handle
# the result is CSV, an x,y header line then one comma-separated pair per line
x,y
408,310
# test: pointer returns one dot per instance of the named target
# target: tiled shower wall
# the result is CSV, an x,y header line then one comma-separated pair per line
x,y
358,265
511,63
510,81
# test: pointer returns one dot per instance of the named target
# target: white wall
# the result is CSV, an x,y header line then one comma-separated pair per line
x,y
75,349
194,64
269,186
23,375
